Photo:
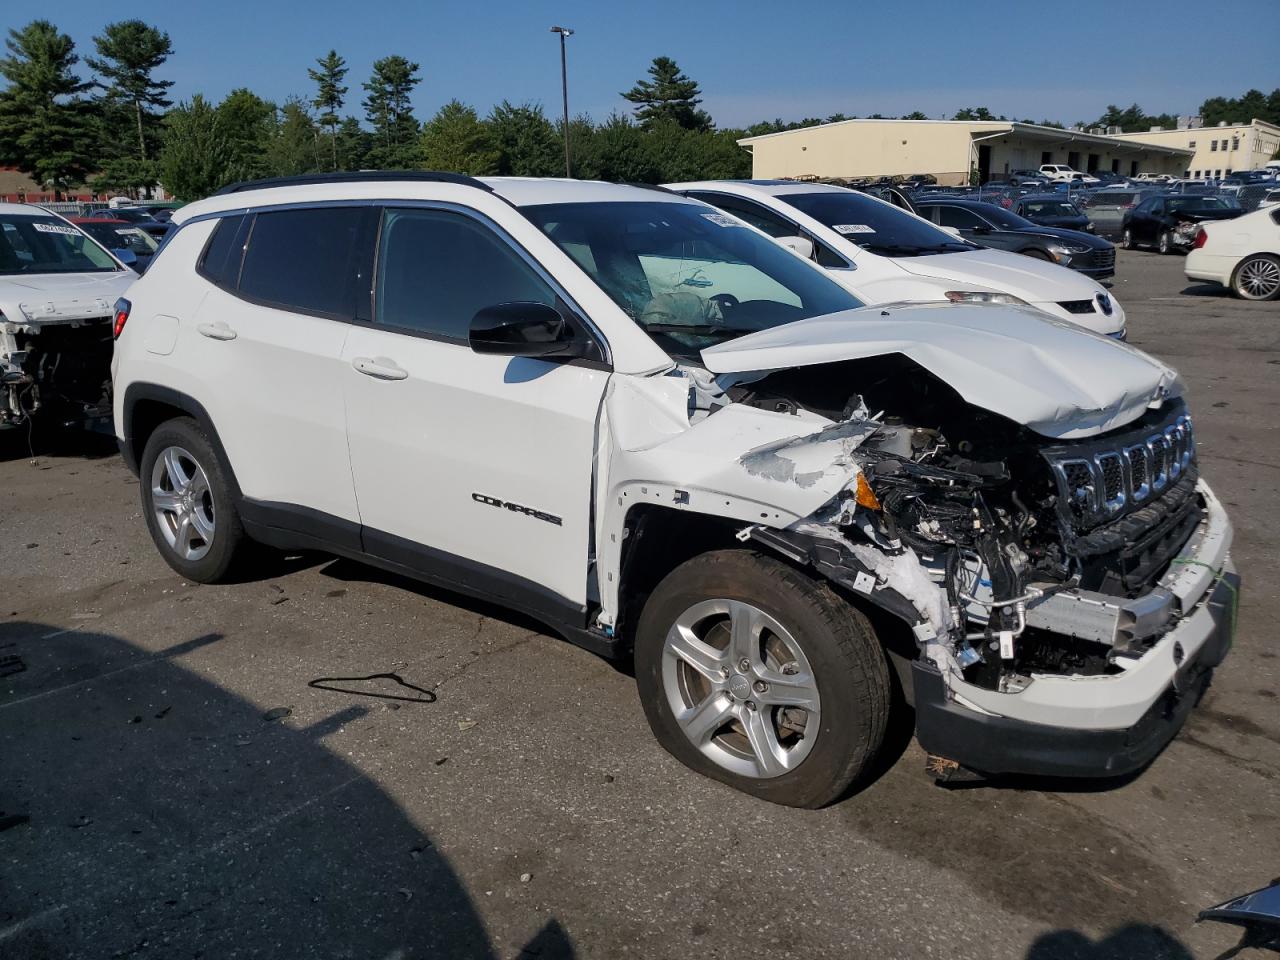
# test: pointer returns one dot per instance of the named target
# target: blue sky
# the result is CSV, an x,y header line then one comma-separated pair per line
x,y
755,60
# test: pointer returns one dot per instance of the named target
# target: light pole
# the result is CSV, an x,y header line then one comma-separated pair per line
x,y
564,32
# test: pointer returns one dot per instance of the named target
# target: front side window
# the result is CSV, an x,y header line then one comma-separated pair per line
x,y
760,218
45,244
689,276
874,225
304,260
437,270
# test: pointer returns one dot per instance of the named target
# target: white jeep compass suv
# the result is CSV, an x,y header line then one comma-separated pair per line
x,y
642,421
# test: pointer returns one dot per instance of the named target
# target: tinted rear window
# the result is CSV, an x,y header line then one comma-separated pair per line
x,y
304,260
221,260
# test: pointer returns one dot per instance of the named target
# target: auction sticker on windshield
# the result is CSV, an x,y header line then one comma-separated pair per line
x,y
721,219
56,228
852,228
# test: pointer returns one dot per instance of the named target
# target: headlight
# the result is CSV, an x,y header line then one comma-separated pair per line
x,y
982,296
1066,249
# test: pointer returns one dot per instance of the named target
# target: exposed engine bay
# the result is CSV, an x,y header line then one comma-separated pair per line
x,y
998,516
61,371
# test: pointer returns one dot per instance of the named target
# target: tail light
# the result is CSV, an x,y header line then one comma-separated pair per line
x,y
1201,239
119,317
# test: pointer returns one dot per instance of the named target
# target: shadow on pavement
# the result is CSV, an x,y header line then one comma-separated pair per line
x,y
47,440
167,817
1138,941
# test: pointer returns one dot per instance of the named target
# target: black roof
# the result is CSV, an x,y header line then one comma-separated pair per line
x,y
357,176
958,202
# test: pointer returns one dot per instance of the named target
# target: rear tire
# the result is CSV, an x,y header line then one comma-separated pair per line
x,y
1257,277
738,655
188,503
1126,239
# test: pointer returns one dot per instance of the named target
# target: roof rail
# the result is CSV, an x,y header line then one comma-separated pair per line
x,y
356,176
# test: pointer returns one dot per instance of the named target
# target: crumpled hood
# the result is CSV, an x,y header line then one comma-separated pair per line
x,y
1035,281
54,298
1049,375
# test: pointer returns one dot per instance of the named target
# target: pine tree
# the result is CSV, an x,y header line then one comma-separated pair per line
x,y
527,142
195,153
45,128
387,108
456,139
669,96
129,52
330,95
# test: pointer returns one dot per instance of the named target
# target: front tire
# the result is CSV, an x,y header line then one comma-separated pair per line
x,y
1257,277
1165,244
188,503
1126,239
754,674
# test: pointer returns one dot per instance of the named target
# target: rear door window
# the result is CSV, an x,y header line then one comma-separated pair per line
x,y
959,218
220,262
307,260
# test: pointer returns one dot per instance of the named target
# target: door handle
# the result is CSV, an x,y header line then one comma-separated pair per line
x,y
380,368
216,331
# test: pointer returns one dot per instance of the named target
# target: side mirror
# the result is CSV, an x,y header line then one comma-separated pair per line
x,y
801,245
525,329
126,256
954,231
981,230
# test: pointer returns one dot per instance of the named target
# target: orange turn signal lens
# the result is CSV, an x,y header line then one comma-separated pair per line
x,y
863,495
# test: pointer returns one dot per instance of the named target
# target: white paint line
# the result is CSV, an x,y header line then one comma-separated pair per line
x,y
11,931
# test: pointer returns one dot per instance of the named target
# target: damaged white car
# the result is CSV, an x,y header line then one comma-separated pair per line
x,y
635,418
57,288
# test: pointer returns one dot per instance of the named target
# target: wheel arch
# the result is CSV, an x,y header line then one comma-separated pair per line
x,y
660,538
147,406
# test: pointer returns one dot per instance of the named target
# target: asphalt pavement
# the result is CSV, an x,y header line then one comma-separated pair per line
x,y
200,771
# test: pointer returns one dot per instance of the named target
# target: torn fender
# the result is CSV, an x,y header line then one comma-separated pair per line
x,y
742,463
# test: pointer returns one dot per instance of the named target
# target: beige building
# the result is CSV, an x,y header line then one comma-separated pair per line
x,y
1218,150
949,150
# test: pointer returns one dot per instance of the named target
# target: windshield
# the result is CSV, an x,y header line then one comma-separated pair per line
x,y
119,236
1049,208
1201,205
48,245
873,225
689,275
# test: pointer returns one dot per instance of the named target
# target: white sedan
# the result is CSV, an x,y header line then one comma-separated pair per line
x,y
1243,254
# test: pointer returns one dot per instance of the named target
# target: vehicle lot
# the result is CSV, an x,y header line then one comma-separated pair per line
x,y
520,806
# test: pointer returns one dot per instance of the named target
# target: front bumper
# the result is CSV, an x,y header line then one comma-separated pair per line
x,y
1105,725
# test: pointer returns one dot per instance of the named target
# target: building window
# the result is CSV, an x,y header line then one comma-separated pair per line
x,y
1191,144
1217,174
1224,144
1235,143
1213,144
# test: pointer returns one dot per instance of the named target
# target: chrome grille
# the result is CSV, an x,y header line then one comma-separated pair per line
x,y
1099,481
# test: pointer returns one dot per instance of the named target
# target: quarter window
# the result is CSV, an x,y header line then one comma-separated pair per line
x,y
220,263
438,269
958,217
305,260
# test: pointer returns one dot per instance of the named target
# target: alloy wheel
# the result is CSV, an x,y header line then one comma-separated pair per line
x,y
741,688
1259,278
182,503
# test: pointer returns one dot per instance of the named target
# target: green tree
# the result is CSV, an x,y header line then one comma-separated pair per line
x,y
129,53
195,152
45,130
456,139
126,175
387,108
527,143
330,95
915,115
295,144
614,151
354,144
669,96
248,124
975,113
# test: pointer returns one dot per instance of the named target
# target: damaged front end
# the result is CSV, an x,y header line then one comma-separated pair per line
x,y
59,368
1067,596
